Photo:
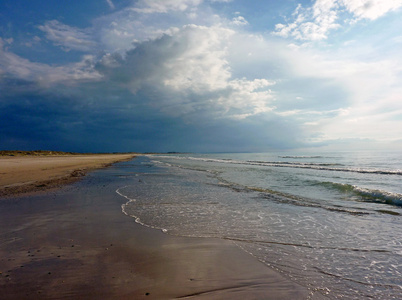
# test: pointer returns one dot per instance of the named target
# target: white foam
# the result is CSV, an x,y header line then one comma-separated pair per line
x,y
136,218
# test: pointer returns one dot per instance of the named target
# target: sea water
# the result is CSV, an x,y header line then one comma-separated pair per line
x,y
331,222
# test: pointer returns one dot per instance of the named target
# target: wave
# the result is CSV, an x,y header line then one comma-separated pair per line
x,y
301,156
367,195
325,167
308,202
279,164
291,164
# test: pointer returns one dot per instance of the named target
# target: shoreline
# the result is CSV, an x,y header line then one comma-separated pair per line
x,y
32,174
75,242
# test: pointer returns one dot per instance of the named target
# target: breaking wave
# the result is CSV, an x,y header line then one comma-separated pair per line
x,y
367,195
336,167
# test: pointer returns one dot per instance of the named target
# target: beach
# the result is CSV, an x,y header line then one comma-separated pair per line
x,y
74,242
24,174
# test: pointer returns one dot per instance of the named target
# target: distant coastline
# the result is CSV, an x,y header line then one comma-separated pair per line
x,y
52,153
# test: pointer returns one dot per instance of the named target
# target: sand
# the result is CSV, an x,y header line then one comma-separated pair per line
x,y
23,174
75,243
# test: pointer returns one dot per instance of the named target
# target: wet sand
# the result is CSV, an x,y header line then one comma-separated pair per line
x,y
75,243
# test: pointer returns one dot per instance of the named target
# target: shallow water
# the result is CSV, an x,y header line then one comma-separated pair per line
x,y
329,221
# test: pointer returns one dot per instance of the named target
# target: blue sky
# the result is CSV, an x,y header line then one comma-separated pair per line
x,y
200,75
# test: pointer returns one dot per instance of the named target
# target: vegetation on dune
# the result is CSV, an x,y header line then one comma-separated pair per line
x,y
33,153
49,153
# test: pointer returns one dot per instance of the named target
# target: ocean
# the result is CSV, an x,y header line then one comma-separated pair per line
x,y
330,221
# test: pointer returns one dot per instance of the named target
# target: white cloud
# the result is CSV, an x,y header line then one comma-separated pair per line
x,y
248,98
123,29
240,21
9,41
69,38
45,75
111,4
202,65
371,9
190,59
189,71
314,23
164,6
119,35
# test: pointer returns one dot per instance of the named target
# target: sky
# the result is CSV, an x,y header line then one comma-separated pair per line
x,y
200,75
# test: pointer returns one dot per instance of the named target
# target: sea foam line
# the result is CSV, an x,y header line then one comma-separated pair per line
x,y
136,218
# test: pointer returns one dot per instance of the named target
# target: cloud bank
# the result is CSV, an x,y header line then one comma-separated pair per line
x,y
171,76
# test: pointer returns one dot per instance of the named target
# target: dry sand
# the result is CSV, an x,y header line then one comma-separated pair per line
x,y
75,243
22,174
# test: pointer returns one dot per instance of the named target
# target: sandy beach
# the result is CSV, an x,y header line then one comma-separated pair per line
x,y
23,174
75,243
